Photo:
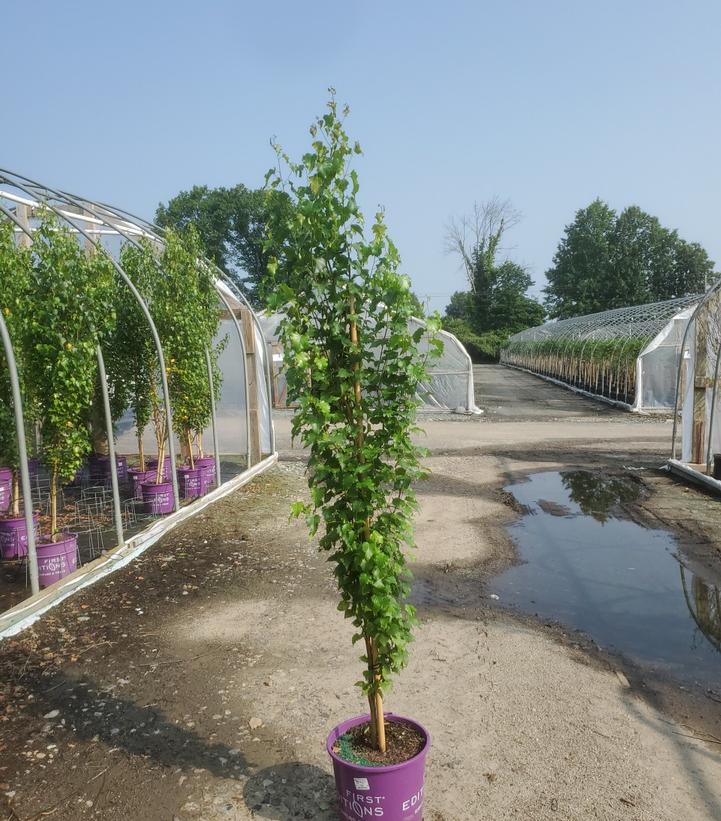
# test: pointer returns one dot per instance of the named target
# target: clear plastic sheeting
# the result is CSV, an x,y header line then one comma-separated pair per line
x,y
696,445
450,382
100,507
629,356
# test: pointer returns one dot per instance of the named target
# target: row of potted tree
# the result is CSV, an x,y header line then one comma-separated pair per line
x,y
62,303
606,367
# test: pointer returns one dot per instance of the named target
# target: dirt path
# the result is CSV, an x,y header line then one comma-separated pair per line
x,y
199,683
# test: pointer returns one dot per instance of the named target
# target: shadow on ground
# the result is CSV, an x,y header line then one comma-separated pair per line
x,y
90,713
290,791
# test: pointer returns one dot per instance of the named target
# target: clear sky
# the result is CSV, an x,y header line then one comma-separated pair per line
x,y
547,102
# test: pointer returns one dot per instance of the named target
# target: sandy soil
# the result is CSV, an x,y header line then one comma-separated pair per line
x,y
199,683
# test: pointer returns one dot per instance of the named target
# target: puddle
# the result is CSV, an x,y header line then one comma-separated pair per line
x,y
626,586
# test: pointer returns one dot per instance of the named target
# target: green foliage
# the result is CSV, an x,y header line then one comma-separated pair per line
x,y
484,347
131,358
231,226
496,306
356,395
186,311
605,260
71,312
15,262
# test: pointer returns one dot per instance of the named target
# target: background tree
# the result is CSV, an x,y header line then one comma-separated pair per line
x,y
231,225
496,304
605,260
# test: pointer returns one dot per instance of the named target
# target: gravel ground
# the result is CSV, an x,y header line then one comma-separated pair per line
x,y
199,683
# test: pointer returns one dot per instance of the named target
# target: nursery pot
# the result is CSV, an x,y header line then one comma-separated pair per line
x,y
207,468
393,792
14,537
158,499
190,481
6,489
152,464
57,559
137,477
100,468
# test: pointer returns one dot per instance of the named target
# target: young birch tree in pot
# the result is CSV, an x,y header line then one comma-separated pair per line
x,y
353,368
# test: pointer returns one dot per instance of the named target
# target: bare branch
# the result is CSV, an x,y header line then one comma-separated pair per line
x,y
472,236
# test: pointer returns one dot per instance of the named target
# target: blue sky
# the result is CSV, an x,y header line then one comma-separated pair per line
x,y
547,103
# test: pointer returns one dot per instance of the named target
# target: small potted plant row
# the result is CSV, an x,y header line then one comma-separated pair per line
x,y
353,368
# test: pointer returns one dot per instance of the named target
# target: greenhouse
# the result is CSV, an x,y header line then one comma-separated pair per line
x,y
127,403
696,445
626,356
449,386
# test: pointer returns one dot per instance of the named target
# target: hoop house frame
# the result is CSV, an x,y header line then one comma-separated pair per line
x,y
91,222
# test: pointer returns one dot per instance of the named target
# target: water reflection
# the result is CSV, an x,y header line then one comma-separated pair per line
x,y
597,494
704,604
585,564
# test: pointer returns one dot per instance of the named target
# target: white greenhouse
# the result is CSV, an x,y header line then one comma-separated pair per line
x,y
449,388
626,356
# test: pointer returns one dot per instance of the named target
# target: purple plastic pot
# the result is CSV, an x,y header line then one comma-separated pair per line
x,y
57,559
158,498
190,481
207,467
152,464
6,489
394,793
14,537
100,468
138,477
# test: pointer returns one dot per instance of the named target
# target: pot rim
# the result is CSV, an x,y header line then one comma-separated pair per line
x,y
383,768
67,536
156,484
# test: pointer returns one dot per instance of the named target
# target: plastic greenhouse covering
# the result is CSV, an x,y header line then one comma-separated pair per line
x,y
449,387
628,356
101,507
696,446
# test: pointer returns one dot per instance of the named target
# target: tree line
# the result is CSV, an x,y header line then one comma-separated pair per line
x,y
604,260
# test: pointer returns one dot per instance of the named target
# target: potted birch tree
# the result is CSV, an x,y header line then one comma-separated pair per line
x,y
353,368
70,312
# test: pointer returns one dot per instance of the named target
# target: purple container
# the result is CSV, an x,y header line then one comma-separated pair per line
x,y
153,465
14,537
158,498
190,481
207,470
6,489
206,463
138,477
394,793
100,468
57,559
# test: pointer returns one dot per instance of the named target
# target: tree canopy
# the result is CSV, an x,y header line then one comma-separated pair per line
x,y
496,305
231,226
609,260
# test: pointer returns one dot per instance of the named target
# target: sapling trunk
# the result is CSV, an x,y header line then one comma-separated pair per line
x,y
141,452
16,493
189,440
375,696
